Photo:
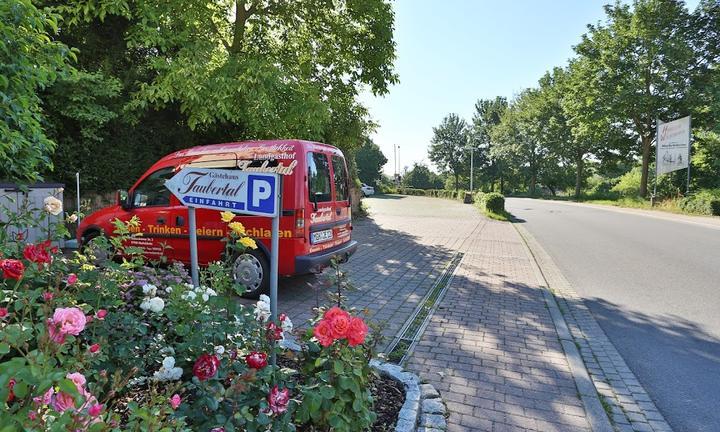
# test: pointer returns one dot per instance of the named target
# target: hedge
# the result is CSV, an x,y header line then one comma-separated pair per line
x,y
705,202
492,202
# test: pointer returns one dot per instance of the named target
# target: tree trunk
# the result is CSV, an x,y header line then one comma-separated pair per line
x,y
502,184
456,181
646,144
579,165
533,180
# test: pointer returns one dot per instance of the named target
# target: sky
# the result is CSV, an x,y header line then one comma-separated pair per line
x,y
451,53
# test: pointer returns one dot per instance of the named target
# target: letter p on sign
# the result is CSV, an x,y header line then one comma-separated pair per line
x,y
261,194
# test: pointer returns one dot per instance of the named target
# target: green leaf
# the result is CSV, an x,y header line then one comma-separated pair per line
x,y
4,348
338,367
328,392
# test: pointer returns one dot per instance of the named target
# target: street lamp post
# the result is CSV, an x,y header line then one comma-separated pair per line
x,y
471,168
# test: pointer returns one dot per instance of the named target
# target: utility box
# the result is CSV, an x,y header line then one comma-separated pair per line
x,y
29,199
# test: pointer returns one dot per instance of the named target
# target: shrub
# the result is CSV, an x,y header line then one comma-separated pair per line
x,y
705,202
628,184
411,191
494,202
126,346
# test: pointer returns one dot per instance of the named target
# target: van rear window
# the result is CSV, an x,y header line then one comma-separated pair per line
x,y
341,179
319,177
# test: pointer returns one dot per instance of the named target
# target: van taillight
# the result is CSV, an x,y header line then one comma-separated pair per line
x,y
300,223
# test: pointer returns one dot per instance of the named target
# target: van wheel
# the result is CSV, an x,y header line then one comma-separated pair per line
x,y
102,255
251,269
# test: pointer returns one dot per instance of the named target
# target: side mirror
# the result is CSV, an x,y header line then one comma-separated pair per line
x,y
123,199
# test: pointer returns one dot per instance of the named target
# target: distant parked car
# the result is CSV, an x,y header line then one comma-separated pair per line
x,y
367,190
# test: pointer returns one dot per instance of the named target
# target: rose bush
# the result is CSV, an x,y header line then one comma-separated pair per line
x,y
120,344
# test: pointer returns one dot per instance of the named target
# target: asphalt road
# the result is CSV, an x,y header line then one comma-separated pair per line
x,y
653,285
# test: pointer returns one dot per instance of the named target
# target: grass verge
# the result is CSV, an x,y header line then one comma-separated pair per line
x,y
504,216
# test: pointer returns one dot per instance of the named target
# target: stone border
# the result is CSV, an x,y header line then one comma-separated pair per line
x,y
423,410
624,398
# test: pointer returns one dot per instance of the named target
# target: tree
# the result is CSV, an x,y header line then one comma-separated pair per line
x,y
420,177
487,115
370,161
30,60
448,149
520,140
640,63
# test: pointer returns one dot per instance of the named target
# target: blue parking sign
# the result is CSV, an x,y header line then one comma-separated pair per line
x,y
261,196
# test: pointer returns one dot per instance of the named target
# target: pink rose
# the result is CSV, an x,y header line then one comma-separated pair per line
x,y
62,402
94,348
71,279
47,296
32,415
66,321
79,380
3,312
101,314
175,401
278,400
357,331
95,410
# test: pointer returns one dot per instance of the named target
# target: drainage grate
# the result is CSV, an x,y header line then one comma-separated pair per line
x,y
410,332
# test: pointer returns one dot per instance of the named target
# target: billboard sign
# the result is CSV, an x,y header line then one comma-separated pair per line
x,y
673,145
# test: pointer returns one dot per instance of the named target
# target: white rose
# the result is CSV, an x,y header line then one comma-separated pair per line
x,y
149,290
220,350
262,311
287,325
190,295
205,297
52,205
168,362
168,290
156,304
145,305
210,292
264,299
72,218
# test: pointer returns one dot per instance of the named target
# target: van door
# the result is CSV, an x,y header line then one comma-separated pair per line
x,y
343,225
320,202
151,204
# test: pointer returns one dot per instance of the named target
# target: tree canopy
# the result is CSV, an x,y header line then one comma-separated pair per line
x,y
370,161
448,149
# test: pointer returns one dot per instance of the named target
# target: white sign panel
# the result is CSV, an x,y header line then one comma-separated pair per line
x,y
673,145
233,190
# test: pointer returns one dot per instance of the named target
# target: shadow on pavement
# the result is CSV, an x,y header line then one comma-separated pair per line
x,y
668,352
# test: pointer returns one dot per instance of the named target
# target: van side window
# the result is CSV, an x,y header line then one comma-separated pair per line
x,y
319,177
152,191
341,179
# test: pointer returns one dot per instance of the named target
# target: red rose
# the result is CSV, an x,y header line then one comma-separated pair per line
x,y
101,314
94,348
206,366
38,254
357,331
323,333
339,325
12,268
11,393
3,312
274,333
333,312
47,296
256,360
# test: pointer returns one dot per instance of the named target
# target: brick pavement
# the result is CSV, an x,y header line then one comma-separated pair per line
x,y
491,348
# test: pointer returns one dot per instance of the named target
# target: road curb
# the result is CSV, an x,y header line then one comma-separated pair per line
x,y
596,415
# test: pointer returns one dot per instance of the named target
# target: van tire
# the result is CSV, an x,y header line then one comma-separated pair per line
x,y
252,270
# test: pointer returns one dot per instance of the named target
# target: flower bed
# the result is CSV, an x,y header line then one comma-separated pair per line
x,y
128,345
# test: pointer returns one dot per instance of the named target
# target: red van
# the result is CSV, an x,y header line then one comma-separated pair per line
x,y
315,225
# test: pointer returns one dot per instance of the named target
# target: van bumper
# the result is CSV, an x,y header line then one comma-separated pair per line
x,y
314,263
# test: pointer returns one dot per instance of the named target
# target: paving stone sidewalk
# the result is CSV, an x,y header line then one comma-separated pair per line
x,y
491,348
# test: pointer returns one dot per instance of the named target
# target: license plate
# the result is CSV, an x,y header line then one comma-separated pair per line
x,y
321,236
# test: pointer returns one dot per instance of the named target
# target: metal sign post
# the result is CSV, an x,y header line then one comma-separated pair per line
x,y
689,162
192,225
274,256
